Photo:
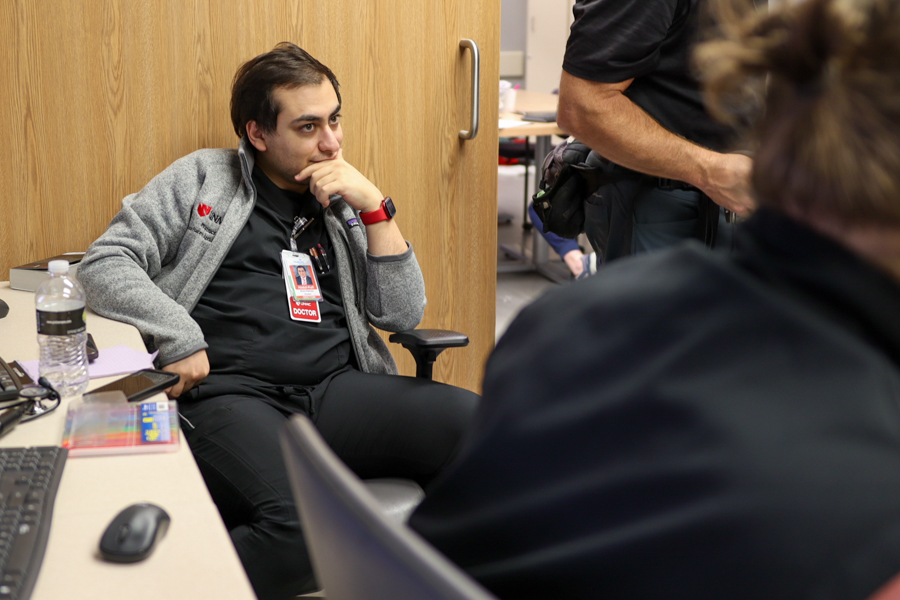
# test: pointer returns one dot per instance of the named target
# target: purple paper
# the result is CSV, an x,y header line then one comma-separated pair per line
x,y
118,360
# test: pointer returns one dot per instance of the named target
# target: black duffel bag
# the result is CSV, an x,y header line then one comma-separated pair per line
x,y
569,175
573,175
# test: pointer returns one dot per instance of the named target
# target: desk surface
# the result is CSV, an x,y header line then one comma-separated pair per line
x,y
532,102
195,559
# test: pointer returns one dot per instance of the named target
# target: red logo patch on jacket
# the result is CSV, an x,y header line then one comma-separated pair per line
x,y
203,209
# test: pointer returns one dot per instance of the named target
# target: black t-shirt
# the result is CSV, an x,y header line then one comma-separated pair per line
x,y
244,311
650,41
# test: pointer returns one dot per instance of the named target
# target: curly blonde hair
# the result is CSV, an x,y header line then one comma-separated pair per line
x,y
824,76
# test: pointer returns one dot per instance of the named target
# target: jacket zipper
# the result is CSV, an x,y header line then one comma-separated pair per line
x,y
360,336
358,296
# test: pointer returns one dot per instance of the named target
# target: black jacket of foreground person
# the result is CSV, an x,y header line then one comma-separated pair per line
x,y
687,425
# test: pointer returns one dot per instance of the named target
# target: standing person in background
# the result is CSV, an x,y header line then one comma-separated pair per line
x,y
703,426
628,92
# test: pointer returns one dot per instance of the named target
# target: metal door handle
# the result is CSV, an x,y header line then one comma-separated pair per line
x,y
476,88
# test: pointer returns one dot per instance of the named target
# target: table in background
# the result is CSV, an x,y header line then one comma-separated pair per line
x,y
543,132
195,559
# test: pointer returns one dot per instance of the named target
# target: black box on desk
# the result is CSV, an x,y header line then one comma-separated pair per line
x,y
28,277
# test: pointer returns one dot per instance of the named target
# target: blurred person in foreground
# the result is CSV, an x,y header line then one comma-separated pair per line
x,y
698,425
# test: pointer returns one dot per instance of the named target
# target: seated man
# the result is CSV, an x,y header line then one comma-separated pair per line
x,y
198,261
703,426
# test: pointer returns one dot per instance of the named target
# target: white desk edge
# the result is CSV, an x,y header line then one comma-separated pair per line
x,y
196,559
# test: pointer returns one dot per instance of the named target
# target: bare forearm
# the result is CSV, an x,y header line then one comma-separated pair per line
x,y
385,239
601,116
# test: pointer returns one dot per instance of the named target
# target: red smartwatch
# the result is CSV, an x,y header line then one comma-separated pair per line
x,y
384,212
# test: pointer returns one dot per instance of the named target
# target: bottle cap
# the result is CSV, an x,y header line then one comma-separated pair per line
x,y
58,266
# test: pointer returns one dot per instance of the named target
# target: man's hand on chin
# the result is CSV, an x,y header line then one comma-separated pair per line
x,y
192,370
337,176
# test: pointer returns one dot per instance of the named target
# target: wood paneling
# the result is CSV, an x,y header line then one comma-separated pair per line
x,y
103,94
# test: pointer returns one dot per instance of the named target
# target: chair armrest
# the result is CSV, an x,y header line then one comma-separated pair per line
x,y
426,344
430,338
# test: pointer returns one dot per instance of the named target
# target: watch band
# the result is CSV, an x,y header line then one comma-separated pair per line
x,y
383,213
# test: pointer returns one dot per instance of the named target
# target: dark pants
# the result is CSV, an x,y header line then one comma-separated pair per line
x,y
663,218
630,217
380,425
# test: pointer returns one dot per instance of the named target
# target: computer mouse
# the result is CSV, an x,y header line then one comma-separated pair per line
x,y
133,534
4,309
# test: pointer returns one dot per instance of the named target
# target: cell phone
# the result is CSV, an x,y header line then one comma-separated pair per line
x,y
141,384
92,352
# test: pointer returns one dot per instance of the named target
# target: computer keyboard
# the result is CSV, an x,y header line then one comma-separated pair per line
x,y
29,479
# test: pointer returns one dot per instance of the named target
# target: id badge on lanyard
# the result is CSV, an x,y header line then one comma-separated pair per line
x,y
302,286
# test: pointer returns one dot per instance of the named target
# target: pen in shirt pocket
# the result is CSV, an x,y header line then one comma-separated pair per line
x,y
300,225
326,262
316,260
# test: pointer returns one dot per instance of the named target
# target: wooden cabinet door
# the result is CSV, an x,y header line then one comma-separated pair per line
x,y
107,93
407,95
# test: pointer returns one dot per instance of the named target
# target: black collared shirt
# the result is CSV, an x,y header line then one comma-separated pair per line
x,y
650,41
244,311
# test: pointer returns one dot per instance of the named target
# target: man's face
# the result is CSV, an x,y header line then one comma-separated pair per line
x,y
308,131
302,272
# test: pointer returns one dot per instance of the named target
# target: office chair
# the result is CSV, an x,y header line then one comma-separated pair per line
x,y
399,497
358,552
426,344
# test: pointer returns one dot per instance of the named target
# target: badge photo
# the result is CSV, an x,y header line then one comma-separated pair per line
x,y
303,276
299,277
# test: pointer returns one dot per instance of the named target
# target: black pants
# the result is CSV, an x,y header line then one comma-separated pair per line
x,y
631,217
380,425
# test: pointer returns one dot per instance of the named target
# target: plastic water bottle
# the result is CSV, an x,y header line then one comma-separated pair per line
x,y
62,332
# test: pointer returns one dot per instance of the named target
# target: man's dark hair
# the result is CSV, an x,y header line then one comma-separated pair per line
x,y
253,90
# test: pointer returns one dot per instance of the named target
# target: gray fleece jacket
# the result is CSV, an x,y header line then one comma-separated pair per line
x,y
162,249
